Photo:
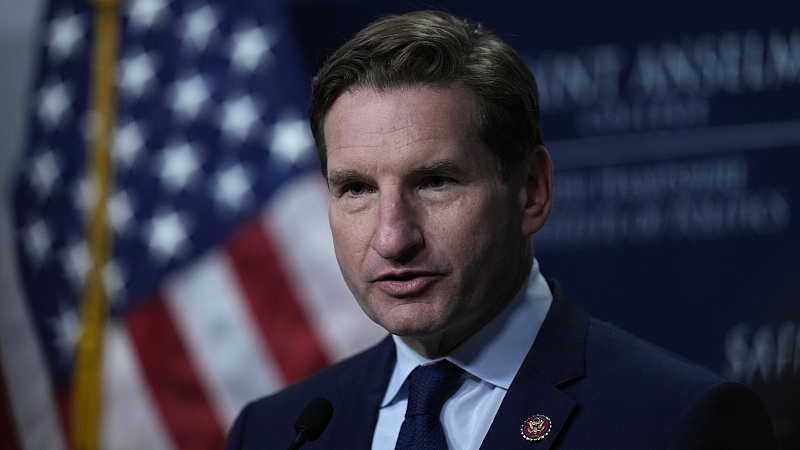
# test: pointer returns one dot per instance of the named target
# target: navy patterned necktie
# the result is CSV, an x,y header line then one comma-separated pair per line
x,y
428,388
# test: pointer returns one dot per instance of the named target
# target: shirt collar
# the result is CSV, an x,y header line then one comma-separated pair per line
x,y
495,352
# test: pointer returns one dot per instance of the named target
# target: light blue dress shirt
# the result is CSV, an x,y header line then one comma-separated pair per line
x,y
490,358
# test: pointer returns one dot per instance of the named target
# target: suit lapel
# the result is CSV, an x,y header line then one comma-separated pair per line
x,y
362,388
530,394
556,358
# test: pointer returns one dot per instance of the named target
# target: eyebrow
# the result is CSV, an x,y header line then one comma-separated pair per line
x,y
340,177
441,167
444,167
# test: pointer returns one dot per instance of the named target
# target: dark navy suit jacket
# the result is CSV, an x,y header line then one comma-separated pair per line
x,y
601,388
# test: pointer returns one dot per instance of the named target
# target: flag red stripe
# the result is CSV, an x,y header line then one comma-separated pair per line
x,y
281,320
8,430
172,378
64,403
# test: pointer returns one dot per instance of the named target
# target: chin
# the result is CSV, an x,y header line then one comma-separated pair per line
x,y
410,320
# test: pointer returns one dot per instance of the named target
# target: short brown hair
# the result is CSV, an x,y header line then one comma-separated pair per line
x,y
432,47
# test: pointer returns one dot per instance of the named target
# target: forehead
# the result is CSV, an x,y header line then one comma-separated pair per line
x,y
365,117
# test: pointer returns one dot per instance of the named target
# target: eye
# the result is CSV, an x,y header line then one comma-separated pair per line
x,y
435,182
356,189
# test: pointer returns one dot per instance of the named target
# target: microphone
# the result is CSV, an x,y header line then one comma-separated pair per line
x,y
311,422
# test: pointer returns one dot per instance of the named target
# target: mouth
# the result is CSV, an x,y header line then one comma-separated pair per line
x,y
405,284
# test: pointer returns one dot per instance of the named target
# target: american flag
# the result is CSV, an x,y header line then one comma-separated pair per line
x,y
223,284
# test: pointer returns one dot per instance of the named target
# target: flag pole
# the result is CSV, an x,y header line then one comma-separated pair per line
x,y
88,375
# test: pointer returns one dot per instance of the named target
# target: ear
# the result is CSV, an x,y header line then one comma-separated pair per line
x,y
536,192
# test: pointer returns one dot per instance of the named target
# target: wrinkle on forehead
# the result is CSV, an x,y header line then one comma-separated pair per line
x,y
403,123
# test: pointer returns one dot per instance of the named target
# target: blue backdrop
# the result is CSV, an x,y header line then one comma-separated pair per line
x,y
675,132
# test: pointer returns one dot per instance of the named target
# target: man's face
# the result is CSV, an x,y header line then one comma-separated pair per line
x,y
426,234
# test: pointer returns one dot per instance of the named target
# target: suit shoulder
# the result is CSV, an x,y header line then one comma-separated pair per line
x,y
327,382
662,397
274,415
611,350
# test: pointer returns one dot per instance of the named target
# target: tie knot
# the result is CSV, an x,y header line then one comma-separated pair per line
x,y
430,386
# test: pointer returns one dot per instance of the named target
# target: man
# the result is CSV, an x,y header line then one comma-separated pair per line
x,y
428,133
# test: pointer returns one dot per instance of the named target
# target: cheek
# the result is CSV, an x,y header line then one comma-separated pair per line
x,y
350,241
481,219
482,231
342,243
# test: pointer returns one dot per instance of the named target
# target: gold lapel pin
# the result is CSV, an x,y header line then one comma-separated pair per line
x,y
536,427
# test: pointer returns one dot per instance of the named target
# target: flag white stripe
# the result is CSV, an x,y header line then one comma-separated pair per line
x,y
211,314
297,218
130,417
29,387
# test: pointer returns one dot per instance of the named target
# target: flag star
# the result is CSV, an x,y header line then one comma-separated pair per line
x,y
66,327
167,236
239,116
189,95
130,142
232,187
179,166
114,281
146,14
251,47
76,260
55,102
136,73
84,193
45,173
38,240
198,26
89,124
120,211
65,35
291,140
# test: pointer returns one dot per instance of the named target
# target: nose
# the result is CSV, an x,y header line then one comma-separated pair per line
x,y
398,236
